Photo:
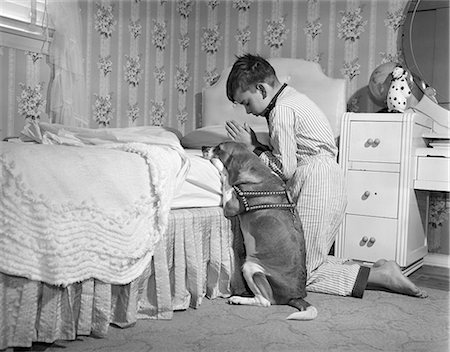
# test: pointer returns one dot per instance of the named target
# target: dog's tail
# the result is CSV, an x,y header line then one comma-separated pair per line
x,y
306,310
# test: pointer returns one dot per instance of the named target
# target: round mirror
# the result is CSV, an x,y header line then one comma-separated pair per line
x,y
424,42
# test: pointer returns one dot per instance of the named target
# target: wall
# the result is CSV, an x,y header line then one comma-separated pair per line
x,y
178,47
20,67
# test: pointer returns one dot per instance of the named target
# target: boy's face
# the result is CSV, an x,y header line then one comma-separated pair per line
x,y
253,100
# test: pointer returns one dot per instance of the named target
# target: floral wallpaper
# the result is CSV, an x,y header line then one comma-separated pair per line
x,y
438,223
31,103
155,56
147,61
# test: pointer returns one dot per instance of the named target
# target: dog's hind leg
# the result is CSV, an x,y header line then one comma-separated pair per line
x,y
306,310
258,284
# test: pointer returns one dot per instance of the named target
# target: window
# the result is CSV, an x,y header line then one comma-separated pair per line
x,y
27,11
24,23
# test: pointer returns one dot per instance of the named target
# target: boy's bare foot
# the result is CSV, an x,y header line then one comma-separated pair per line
x,y
388,275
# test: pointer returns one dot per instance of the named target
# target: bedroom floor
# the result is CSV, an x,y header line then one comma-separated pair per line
x,y
432,277
381,321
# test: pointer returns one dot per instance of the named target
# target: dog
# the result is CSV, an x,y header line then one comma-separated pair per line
x,y
275,262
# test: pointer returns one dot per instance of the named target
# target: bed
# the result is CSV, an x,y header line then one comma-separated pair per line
x,y
108,226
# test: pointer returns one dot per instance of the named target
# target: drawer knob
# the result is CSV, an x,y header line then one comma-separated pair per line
x,y
365,195
372,142
363,241
371,242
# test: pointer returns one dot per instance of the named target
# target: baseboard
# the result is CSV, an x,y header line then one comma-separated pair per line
x,y
412,267
436,259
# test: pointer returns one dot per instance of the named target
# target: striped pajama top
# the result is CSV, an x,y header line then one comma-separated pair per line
x,y
298,130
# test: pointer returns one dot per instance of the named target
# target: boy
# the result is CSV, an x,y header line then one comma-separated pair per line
x,y
303,153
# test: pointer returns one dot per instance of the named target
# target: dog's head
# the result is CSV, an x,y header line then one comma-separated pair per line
x,y
242,166
212,154
225,153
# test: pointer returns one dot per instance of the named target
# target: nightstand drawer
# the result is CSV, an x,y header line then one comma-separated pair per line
x,y
372,193
433,168
375,141
370,238
377,152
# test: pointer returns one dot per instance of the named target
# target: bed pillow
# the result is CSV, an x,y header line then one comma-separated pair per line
x,y
53,133
213,135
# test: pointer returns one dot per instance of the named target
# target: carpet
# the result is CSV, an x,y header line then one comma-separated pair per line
x,y
380,321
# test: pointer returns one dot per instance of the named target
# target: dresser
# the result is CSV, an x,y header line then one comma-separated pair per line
x,y
385,216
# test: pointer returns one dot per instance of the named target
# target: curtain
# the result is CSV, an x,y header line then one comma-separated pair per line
x,y
67,93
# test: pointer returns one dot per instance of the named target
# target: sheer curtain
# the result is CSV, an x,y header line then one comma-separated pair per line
x,y
68,94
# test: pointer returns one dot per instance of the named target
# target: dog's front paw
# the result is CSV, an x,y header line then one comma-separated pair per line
x,y
217,164
242,300
257,300
236,300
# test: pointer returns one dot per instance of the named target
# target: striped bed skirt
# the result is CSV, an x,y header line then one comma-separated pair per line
x,y
199,257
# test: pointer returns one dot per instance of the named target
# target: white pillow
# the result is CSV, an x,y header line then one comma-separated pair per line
x,y
213,135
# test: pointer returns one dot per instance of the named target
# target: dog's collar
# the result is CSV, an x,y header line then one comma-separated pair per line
x,y
251,194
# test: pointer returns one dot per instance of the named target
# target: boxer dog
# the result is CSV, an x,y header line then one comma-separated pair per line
x,y
275,263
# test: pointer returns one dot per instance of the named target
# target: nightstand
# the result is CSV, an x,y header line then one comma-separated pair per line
x,y
385,216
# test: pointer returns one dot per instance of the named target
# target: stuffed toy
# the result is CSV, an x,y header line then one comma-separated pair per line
x,y
399,91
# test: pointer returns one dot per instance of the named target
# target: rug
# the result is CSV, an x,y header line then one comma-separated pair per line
x,y
380,321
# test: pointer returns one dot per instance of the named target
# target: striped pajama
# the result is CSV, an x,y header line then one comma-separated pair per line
x,y
303,153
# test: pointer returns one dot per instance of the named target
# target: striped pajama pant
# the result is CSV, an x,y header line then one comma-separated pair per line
x,y
318,187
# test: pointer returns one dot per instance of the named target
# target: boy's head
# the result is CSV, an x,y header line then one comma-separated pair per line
x,y
250,81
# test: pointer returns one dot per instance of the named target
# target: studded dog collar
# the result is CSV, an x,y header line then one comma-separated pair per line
x,y
243,195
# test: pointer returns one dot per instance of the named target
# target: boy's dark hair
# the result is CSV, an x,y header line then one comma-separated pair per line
x,y
247,71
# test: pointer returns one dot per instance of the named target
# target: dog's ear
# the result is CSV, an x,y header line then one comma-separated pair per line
x,y
245,174
240,163
223,154
248,176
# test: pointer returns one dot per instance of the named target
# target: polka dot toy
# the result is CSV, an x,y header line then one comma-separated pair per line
x,y
399,91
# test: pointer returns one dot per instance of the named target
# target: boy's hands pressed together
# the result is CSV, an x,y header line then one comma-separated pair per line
x,y
243,134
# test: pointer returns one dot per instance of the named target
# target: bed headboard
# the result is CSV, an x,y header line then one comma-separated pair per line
x,y
306,76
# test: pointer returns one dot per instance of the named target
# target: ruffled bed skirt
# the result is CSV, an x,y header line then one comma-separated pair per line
x,y
196,259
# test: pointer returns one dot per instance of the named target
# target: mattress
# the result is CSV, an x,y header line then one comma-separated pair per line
x,y
198,257
202,187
